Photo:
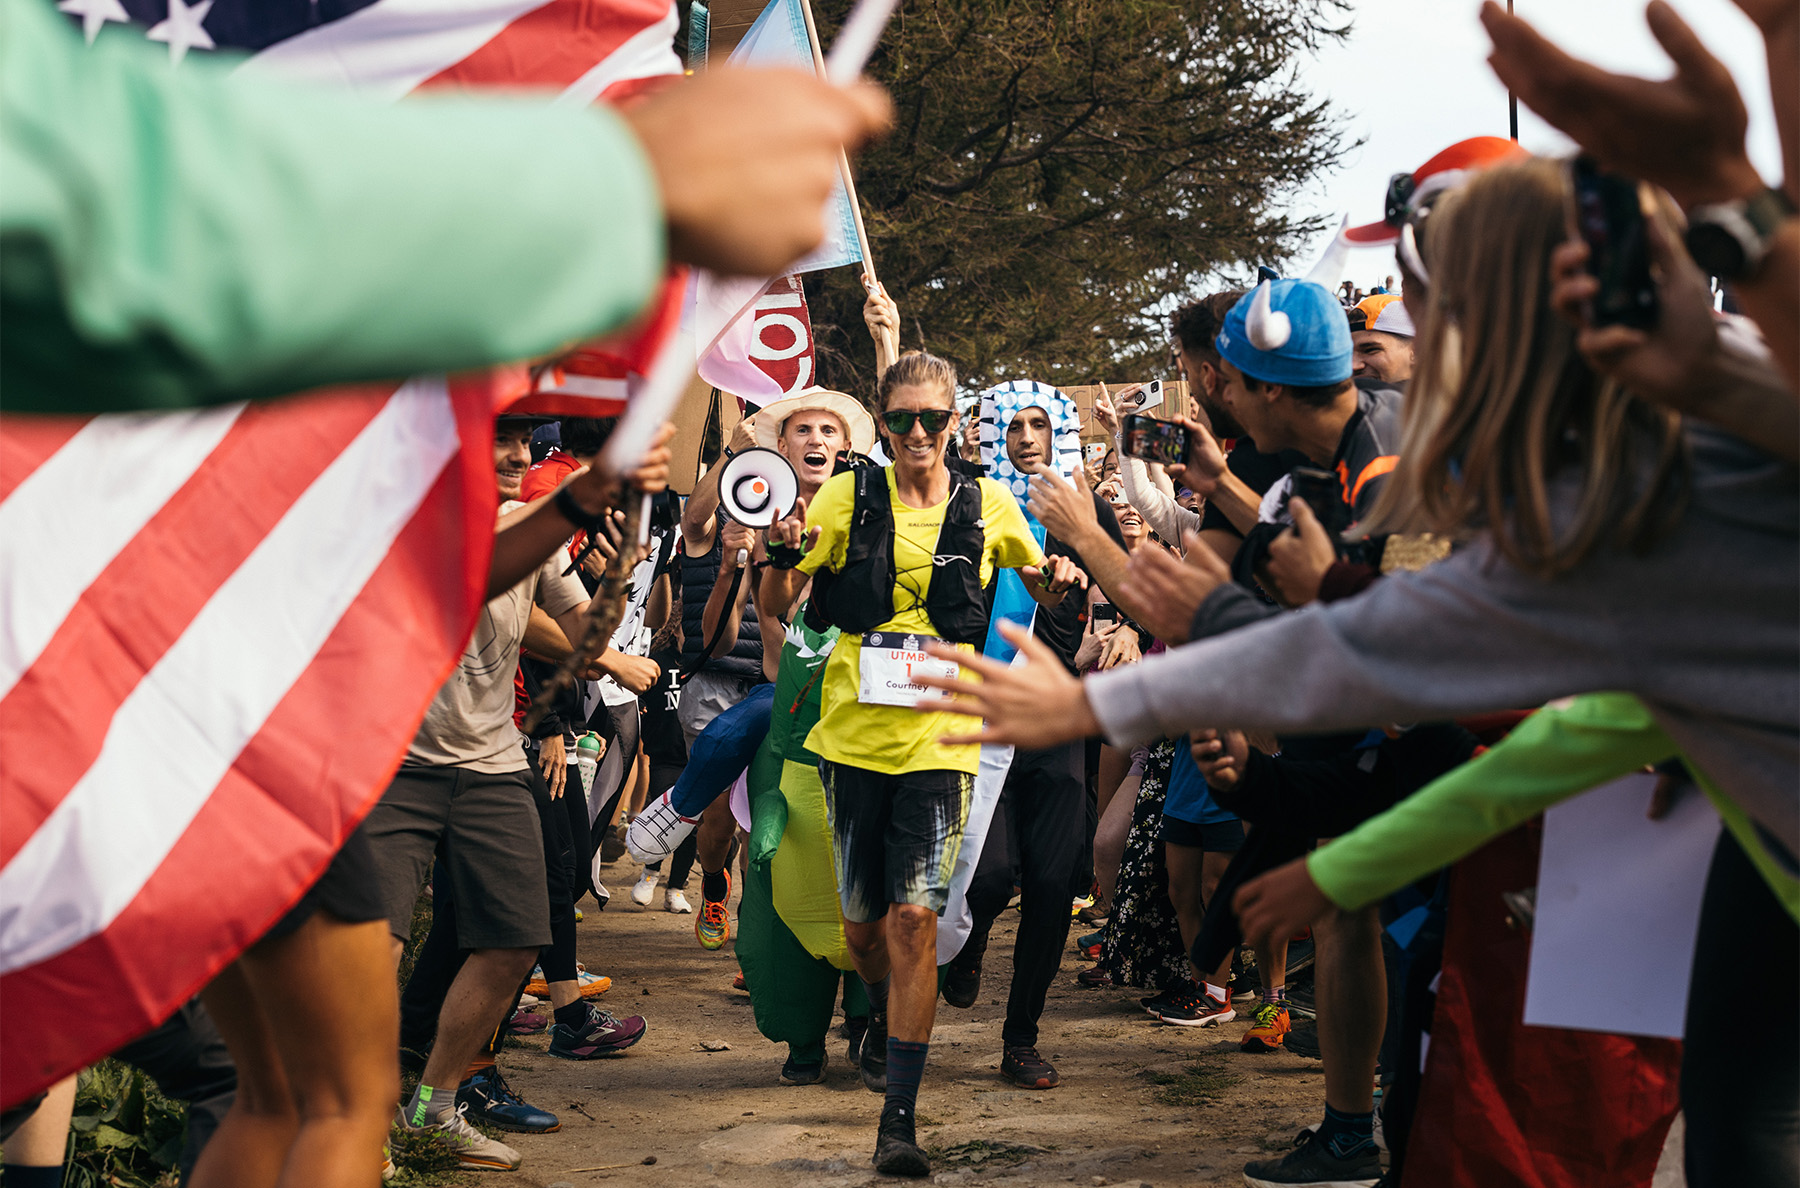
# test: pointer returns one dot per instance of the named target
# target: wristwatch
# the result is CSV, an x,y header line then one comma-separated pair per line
x,y
1730,239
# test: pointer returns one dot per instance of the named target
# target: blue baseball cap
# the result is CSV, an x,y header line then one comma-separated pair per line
x,y
1288,332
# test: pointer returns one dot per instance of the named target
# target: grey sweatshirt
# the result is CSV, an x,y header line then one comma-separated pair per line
x,y
1705,629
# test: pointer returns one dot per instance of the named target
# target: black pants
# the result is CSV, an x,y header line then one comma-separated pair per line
x,y
438,960
1740,1078
1035,841
187,1059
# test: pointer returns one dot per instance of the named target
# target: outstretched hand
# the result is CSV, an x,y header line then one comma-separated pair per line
x,y
1205,464
1168,592
1684,133
1033,704
1065,508
1273,906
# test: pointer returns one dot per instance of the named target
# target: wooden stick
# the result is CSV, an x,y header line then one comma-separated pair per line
x,y
604,612
862,233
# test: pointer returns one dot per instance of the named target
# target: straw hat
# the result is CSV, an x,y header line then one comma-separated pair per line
x,y
857,422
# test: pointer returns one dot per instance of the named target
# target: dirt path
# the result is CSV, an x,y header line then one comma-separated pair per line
x,y
722,1118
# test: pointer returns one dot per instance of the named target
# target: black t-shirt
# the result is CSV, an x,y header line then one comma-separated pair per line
x,y
661,732
1061,625
1258,471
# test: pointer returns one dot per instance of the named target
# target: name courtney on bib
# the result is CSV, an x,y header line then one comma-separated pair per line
x,y
888,662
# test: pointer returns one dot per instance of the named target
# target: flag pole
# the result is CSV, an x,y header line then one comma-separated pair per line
x,y
862,233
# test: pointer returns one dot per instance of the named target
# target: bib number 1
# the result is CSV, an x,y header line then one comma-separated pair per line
x,y
889,660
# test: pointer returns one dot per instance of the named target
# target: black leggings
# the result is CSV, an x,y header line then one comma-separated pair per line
x,y
1740,1070
1036,840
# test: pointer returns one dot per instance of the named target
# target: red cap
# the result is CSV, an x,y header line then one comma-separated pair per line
x,y
1465,156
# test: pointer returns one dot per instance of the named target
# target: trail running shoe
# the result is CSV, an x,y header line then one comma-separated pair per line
x,y
656,831
1080,904
590,985
713,925
853,1030
578,916
471,1147
1268,1032
644,890
874,1054
526,1021
601,1034
1196,1010
1027,1069
676,903
1094,978
491,1101
897,1152
1089,947
962,983
1313,1164
793,1072
1154,1003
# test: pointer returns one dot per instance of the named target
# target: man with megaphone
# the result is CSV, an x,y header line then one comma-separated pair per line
x,y
810,432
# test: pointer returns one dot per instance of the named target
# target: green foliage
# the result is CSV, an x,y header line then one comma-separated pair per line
x,y
1199,1083
124,1132
1059,173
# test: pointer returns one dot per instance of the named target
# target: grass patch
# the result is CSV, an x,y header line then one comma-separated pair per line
x,y
982,1153
1199,1083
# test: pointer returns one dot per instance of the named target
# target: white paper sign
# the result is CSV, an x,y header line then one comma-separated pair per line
x,y
887,663
1618,906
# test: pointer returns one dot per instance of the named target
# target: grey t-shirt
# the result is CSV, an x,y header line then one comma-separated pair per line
x,y
469,723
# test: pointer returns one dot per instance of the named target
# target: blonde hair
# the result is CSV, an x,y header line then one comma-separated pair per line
x,y
1501,401
916,367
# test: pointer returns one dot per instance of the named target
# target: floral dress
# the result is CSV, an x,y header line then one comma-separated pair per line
x,y
1142,945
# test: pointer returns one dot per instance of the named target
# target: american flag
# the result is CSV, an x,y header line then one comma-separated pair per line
x,y
219,628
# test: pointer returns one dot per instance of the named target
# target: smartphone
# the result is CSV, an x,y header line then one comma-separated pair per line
x,y
1321,491
1146,397
1606,212
1154,440
1095,453
1103,612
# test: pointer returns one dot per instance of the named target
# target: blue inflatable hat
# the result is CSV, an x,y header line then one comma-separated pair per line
x,y
1288,332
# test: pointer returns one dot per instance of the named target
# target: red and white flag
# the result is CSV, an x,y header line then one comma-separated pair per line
x,y
219,628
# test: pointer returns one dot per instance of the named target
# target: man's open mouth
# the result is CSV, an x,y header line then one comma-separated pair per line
x,y
814,458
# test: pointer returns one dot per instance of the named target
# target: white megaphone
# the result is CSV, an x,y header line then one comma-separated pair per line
x,y
758,487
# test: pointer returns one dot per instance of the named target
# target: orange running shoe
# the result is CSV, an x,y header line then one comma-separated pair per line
x,y
590,985
1269,1029
713,925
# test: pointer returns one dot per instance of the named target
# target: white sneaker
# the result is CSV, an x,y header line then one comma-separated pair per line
x,y
677,902
644,890
471,1147
656,831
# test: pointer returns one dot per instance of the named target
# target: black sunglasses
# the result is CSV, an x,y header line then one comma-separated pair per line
x,y
1398,205
900,422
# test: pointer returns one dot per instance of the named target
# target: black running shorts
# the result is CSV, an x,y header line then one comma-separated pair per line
x,y
895,837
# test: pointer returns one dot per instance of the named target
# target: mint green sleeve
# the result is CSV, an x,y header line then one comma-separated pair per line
x,y
172,237
1559,751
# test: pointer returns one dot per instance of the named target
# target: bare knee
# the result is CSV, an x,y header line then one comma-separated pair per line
x,y
865,941
912,930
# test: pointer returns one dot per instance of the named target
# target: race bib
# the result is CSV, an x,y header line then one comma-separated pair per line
x,y
889,660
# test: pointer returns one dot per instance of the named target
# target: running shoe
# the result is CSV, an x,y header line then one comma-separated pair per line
x,y
793,1072
738,983
1154,1003
1300,952
962,983
874,1054
1081,904
590,985
1088,947
1268,1030
488,1099
578,916
644,890
471,1147
854,1030
1027,1069
897,1151
526,1021
601,1034
656,831
1313,1164
713,925
1196,1010
1094,978
677,903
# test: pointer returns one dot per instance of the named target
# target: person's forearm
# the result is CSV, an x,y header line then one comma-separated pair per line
x,y
778,590
1768,298
1749,398
526,536
545,638
190,268
887,349
725,602
699,516
1551,756
1165,517
1236,501
656,607
1106,561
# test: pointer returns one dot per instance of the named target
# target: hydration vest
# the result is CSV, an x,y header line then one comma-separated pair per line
x,y
860,596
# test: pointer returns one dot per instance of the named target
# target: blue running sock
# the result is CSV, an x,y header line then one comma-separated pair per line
x,y
1345,1134
905,1069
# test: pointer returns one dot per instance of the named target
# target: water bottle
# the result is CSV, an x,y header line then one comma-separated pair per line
x,y
587,758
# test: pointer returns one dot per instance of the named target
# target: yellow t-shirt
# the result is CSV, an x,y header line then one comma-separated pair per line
x,y
891,738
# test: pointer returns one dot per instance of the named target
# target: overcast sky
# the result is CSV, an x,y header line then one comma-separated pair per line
x,y
1413,77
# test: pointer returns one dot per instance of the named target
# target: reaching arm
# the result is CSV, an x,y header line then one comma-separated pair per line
x,y
729,590
699,518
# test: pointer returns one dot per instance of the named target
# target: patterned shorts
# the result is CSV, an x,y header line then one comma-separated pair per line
x,y
895,838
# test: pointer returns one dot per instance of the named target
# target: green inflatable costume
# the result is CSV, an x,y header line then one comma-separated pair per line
x,y
790,936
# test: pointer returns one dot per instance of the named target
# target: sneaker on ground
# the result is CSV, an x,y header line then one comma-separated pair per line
x,y
658,830
1089,946
590,985
1268,1030
1154,1003
795,1073
601,1034
873,1062
578,916
644,890
1312,1163
677,903
1094,978
962,984
471,1147
528,999
1196,1010
489,1100
853,1030
1300,954
738,983
1081,904
1027,1069
602,896
897,1154
526,1021
713,925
